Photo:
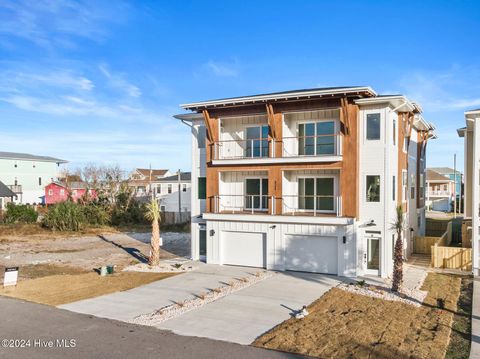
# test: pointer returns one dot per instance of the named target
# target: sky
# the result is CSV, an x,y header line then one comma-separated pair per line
x,y
99,81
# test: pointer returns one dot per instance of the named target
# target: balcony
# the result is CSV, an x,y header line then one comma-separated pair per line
x,y
312,205
321,148
244,204
439,194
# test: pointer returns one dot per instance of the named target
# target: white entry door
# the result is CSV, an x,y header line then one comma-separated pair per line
x,y
243,249
311,254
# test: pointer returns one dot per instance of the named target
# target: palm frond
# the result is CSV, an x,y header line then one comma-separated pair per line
x,y
153,211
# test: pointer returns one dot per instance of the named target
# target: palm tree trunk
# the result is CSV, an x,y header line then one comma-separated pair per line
x,y
154,259
398,263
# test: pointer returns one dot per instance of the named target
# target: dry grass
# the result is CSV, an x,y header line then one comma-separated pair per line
x,y
62,289
35,229
347,325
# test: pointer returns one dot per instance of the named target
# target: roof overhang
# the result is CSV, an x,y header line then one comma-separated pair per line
x,y
461,131
280,96
189,116
399,103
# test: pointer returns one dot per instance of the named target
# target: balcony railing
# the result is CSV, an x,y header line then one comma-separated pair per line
x,y
15,188
311,146
439,193
302,146
237,149
292,205
253,204
310,205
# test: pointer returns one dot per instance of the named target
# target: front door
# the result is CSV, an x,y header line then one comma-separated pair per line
x,y
372,255
202,244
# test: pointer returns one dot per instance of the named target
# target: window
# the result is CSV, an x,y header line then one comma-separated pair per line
x,y
373,126
74,192
412,192
316,194
202,188
373,188
184,187
50,192
394,132
316,138
169,188
256,191
39,181
394,187
404,185
15,182
257,141
201,136
422,186
445,187
419,221
162,208
62,191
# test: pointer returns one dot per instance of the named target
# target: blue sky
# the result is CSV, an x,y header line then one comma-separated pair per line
x,y
99,81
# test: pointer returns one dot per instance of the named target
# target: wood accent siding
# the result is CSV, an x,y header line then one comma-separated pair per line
x,y
349,177
348,167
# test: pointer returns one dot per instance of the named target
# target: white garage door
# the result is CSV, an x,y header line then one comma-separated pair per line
x,y
311,254
441,204
243,249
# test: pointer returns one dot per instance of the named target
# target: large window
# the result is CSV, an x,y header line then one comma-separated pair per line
x,y
256,193
373,188
373,126
257,141
316,138
316,194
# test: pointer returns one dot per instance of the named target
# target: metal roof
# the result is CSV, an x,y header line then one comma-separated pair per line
x,y
29,157
284,95
5,191
184,176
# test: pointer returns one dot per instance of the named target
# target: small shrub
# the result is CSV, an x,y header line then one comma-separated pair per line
x,y
19,214
65,216
95,214
361,283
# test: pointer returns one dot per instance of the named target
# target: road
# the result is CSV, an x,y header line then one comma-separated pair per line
x,y
92,337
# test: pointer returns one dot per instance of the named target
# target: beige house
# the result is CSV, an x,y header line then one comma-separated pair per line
x,y
440,191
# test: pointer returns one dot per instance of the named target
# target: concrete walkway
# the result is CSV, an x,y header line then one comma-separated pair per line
x,y
475,348
239,318
127,305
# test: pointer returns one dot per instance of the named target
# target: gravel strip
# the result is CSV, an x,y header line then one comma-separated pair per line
x,y
174,310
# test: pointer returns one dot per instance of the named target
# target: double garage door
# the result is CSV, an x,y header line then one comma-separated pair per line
x,y
302,253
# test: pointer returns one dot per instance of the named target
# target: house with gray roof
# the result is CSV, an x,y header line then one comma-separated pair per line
x,y
6,195
26,175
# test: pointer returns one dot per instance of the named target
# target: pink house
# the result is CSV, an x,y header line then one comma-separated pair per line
x,y
57,192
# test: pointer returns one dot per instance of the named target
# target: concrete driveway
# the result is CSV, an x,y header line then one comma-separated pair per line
x,y
239,318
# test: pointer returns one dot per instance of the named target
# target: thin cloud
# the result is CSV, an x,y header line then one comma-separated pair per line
x,y
118,81
222,69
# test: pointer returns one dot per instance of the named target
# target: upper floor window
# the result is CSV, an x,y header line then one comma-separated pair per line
x,y
39,181
373,126
202,188
201,134
316,138
257,141
373,188
169,188
184,188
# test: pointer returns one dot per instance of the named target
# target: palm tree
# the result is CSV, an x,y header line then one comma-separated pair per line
x,y
153,214
398,226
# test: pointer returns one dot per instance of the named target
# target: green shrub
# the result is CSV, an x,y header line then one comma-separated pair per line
x,y
65,216
96,214
19,214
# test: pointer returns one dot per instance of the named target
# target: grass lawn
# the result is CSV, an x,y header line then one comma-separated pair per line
x,y
66,288
346,325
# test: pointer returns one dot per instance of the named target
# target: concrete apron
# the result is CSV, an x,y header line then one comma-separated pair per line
x,y
239,317
475,338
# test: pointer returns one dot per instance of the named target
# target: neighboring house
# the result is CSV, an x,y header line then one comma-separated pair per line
x,y
27,175
57,192
174,194
440,191
471,135
143,180
6,195
450,173
307,180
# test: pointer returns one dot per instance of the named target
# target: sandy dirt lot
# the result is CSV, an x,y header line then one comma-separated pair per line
x,y
87,252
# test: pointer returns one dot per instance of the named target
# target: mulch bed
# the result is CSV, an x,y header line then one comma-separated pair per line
x,y
347,325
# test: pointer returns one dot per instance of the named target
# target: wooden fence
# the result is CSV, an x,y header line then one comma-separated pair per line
x,y
423,245
452,257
